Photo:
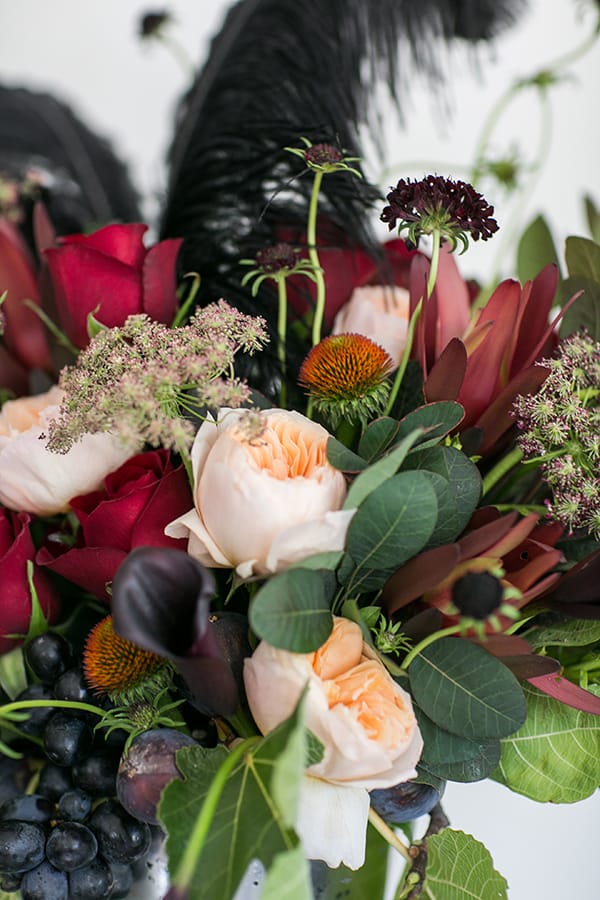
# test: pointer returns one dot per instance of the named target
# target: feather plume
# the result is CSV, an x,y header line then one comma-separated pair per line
x,y
279,70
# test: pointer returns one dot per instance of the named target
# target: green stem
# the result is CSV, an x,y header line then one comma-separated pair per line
x,y
187,866
430,639
503,466
183,310
178,51
281,337
186,459
436,242
489,126
388,835
311,235
18,705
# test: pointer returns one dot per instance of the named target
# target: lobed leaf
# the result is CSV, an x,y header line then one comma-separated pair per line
x,y
460,867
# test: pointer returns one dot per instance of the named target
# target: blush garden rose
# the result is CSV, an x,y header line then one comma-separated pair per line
x,y
265,495
364,720
35,480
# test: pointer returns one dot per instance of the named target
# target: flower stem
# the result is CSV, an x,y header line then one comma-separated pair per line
x,y
281,337
410,334
187,866
503,466
430,639
436,241
387,834
311,235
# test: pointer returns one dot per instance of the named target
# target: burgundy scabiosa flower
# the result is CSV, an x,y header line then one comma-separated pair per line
x,y
453,208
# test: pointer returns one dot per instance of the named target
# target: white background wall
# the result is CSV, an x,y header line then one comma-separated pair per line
x,y
88,53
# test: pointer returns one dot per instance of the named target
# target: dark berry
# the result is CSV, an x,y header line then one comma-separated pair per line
x,y
93,882
54,781
38,717
14,777
75,805
48,655
10,883
121,838
70,846
27,808
45,883
123,880
404,802
67,739
71,686
21,846
146,768
97,773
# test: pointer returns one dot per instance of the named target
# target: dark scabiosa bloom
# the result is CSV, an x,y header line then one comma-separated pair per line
x,y
152,23
325,158
452,208
276,262
346,377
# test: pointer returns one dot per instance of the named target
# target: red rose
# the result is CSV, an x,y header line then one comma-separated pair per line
x,y
25,345
16,549
138,500
111,274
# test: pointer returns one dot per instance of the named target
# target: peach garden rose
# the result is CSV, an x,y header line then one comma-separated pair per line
x,y
265,495
364,720
35,480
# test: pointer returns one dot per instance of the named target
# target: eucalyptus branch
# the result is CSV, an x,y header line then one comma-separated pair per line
x,y
415,876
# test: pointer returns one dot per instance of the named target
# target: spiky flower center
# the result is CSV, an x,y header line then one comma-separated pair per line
x,y
323,155
345,366
114,665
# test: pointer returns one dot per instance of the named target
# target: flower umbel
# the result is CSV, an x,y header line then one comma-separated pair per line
x,y
452,208
560,427
142,379
346,376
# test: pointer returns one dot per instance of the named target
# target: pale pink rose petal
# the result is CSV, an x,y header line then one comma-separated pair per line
x,y
380,312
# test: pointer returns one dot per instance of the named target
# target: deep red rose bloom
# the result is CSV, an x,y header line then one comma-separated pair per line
x,y
111,274
16,549
24,345
138,500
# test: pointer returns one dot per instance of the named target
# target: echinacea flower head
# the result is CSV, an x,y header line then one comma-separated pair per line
x,y
346,376
452,208
116,666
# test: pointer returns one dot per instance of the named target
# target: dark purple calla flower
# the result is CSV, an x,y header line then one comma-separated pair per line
x,y
161,601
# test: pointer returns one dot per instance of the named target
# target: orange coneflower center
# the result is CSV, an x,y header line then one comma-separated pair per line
x,y
113,664
346,366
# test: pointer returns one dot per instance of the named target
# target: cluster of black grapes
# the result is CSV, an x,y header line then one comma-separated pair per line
x,y
71,839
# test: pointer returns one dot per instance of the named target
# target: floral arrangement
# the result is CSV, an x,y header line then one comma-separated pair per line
x,y
247,624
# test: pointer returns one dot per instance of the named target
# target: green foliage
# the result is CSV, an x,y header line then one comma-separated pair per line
x,y
379,472
536,249
555,755
466,691
461,868
568,633
288,877
592,215
367,883
247,817
292,610
455,758
583,262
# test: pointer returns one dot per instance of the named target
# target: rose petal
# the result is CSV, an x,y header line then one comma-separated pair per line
x,y
122,242
332,822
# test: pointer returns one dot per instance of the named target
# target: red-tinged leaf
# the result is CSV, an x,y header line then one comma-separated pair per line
x,y
420,574
427,622
417,287
524,578
44,233
533,326
497,418
581,584
487,535
515,536
446,376
566,692
453,303
530,666
504,645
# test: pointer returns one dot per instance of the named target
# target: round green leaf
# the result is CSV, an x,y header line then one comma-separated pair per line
x,y
555,756
292,611
455,758
466,691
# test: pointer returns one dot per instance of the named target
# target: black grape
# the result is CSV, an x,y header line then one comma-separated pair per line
x,y
45,883
48,655
21,846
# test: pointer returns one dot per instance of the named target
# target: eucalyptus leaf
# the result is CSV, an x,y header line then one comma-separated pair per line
x,y
454,757
555,755
592,215
583,258
369,480
461,868
329,559
459,499
378,436
437,420
466,691
288,878
342,458
569,633
585,312
536,249
246,823
292,610
392,525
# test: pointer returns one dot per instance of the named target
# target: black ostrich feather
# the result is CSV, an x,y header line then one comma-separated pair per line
x,y
84,182
277,71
